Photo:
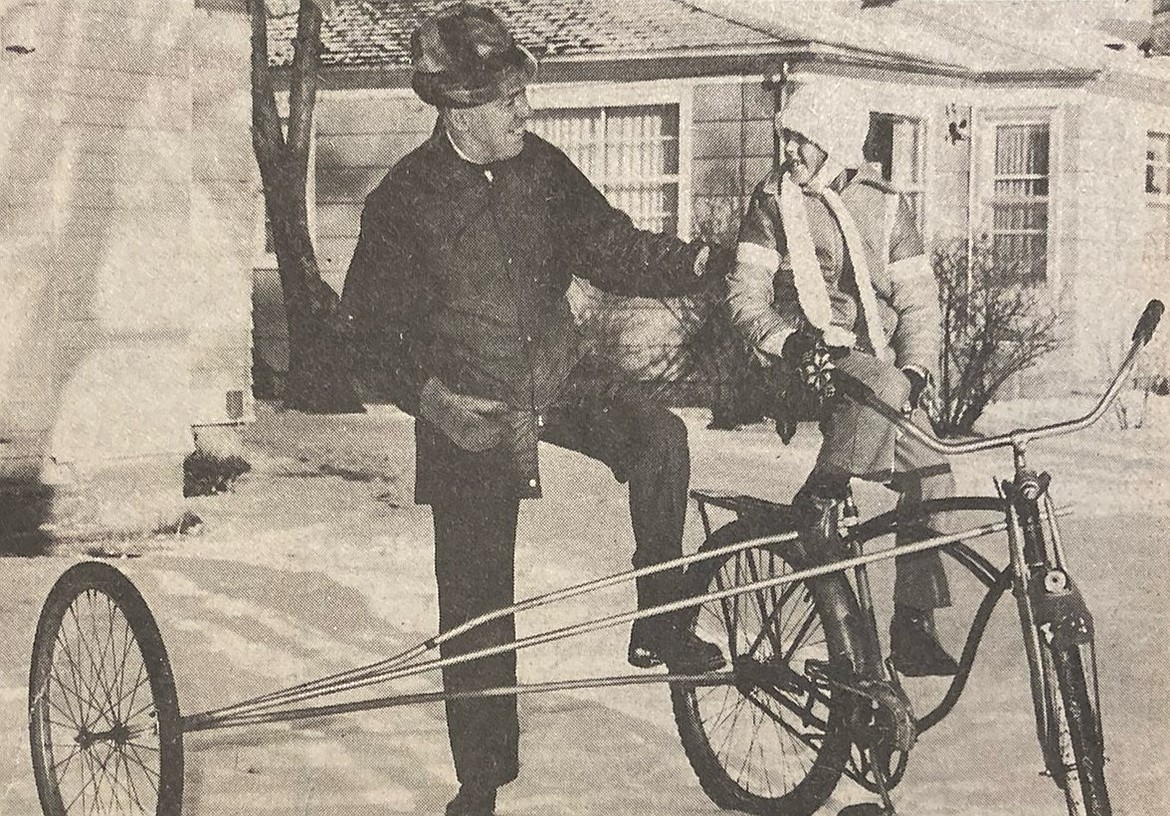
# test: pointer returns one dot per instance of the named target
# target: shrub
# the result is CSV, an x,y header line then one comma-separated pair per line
x,y
993,328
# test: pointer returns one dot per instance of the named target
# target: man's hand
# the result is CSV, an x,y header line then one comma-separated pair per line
x,y
475,424
922,393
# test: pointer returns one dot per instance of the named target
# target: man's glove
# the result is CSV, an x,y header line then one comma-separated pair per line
x,y
922,393
473,423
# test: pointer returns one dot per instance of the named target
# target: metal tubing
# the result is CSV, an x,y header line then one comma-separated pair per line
x,y
205,722
375,671
862,393
625,617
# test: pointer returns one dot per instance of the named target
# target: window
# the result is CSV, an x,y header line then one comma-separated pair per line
x,y
1019,202
1157,246
631,153
896,144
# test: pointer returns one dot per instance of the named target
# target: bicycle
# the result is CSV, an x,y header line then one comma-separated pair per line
x,y
813,657
107,734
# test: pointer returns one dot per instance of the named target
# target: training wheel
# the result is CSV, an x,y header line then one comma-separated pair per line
x,y
104,722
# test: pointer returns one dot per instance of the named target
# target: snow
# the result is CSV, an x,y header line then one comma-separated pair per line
x,y
320,561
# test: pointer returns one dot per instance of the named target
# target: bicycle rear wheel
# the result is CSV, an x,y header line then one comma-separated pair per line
x,y
774,742
104,722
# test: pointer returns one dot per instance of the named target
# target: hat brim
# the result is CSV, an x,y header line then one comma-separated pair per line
x,y
507,73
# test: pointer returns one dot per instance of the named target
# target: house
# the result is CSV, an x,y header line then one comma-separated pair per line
x,y
125,254
1042,125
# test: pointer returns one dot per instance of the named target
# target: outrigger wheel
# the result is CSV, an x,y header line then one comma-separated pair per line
x,y
104,721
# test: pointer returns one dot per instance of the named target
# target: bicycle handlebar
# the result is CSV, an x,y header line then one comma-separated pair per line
x,y
1149,322
863,394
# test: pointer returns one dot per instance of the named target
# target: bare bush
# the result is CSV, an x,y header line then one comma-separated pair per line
x,y
993,329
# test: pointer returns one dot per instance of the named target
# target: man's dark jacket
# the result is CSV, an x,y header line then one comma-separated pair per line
x,y
461,272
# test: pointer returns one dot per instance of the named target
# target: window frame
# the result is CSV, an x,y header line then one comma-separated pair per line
x,y
598,96
920,162
1157,200
987,128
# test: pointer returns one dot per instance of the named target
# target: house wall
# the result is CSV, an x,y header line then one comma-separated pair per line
x,y
105,284
225,196
1096,165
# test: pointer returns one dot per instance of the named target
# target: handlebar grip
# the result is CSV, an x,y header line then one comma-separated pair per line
x,y
1149,322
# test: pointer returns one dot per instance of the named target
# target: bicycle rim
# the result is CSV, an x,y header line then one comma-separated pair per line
x,y
104,721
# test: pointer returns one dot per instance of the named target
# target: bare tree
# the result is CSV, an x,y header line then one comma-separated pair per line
x,y
318,379
994,327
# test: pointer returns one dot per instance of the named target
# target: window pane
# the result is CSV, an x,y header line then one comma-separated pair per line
x,y
578,133
1020,259
1015,217
1021,150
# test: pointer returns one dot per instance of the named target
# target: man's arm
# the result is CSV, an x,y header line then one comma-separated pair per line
x,y
384,297
601,244
914,296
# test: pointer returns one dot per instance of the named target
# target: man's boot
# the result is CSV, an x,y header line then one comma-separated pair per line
x,y
654,641
473,800
914,645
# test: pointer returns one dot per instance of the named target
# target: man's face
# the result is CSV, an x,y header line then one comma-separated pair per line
x,y
493,131
802,158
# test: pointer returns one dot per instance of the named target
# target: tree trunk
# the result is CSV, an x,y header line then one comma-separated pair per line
x,y
318,377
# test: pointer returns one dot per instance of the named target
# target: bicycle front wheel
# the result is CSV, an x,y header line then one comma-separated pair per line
x,y
104,721
1088,794
774,742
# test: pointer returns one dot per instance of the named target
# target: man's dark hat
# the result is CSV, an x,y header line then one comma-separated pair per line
x,y
465,56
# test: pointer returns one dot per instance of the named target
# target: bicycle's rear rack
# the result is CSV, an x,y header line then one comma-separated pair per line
x,y
779,517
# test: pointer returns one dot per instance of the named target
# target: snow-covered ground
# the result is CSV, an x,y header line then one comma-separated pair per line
x,y
320,561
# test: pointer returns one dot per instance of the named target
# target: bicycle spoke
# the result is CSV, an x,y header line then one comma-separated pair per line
x,y
765,629
797,639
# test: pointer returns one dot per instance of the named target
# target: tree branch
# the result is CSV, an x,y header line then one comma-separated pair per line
x,y
267,139
303,83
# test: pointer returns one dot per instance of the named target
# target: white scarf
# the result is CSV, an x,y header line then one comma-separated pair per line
x,y
811,291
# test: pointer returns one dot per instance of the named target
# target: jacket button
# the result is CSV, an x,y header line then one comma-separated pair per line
x,y
532,482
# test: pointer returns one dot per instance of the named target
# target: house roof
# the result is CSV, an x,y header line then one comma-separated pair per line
x,y
985,37
377,32
973,39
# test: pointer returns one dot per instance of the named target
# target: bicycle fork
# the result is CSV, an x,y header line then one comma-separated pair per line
x,y
1056,623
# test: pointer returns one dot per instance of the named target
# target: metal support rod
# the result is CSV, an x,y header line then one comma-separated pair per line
x,y
587,627
204,722
376,671
863,394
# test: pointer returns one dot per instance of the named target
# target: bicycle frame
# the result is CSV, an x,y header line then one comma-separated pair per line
x,y
1049,605
1054,619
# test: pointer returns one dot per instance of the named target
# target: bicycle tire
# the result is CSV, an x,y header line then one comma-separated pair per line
x,y
820,754
1084,731
97,657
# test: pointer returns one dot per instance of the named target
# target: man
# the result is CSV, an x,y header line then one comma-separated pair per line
x,y
457,293
829,251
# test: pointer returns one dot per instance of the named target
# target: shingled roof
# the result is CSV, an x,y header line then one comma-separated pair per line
x,y
377,32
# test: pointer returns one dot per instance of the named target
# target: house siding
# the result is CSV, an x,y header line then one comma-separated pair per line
x,y
100,255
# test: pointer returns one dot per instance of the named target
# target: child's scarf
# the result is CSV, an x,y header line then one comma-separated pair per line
x,y
811,291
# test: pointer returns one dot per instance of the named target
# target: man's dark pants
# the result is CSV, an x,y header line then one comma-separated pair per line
x,y
475,537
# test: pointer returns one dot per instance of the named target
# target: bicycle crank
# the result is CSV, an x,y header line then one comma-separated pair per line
x,y
883,719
